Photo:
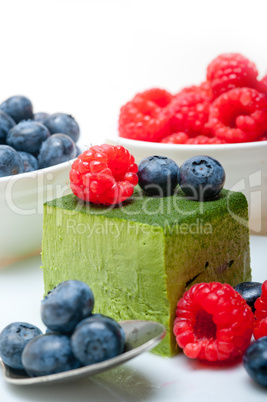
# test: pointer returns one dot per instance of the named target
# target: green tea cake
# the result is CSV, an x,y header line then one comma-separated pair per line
x,y
140,257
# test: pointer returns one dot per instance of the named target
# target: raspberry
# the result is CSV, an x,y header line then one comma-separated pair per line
x,y
262,85
213,322
231,70
104,174
204,140
239,115
189,112
260,329
143,118
176,138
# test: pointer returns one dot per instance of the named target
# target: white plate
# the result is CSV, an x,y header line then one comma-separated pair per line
x,y
148,377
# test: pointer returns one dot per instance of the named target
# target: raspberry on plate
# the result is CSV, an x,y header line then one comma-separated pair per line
x,y
231,70
213,322
143,118
239,115
104,174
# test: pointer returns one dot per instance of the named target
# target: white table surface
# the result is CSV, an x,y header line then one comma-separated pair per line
x,y
87,58
147,378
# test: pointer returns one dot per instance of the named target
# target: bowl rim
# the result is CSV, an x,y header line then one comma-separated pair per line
x,y
186,147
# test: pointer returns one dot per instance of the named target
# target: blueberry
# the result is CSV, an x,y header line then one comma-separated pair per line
x,y
40,117
6,123
29,161
64,124
96,339
10,161
56,149
255,361
94,317
18,107
13,340
66,305
28,136
158,175
250,291
48,354
201,177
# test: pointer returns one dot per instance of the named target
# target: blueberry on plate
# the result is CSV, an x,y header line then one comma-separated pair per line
x,y
96,339
13,340
28,136
201,177
40,117
102,317
66,305
56,149
10,161
255,361
250,291
48,354
158,175
29,161
18,107
6,123
63,123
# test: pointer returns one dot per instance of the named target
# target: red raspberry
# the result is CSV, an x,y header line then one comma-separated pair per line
x,y
239,115
143,118
213,322
204,89
189,112
260,329
176,138
104,174
231,70
204,140
261,303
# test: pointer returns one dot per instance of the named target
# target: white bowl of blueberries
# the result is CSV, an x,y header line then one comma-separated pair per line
x,y
36,150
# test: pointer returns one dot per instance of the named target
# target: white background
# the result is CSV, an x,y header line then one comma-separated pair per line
x,y
87,58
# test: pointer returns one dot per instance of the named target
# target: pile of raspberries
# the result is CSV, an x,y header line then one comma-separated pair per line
x,y
229,107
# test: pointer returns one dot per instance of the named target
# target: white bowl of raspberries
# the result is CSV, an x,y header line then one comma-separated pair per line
x,y
225,117
36,151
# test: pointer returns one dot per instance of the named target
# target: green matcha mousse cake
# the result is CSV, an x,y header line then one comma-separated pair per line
x,y
139,258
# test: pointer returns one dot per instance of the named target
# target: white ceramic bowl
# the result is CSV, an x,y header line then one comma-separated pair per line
x,y
245,166
21,209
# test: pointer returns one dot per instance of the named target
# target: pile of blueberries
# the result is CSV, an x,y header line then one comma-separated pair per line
x,y
74,337
31,141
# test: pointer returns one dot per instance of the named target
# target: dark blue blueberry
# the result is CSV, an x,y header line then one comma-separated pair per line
x,y
64,124
13,340
29,161
10,161
97,339
48,354
250,291
255,361
28,136
94,317
6,123
40,117
66,305
56,149
18,107
158,175
201,177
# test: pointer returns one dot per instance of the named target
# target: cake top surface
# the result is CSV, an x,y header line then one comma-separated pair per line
x,y
158,211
